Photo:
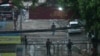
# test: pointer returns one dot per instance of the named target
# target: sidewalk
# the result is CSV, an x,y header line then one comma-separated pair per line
x,y
59,50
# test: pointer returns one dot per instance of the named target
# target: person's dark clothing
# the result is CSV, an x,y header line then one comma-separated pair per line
x,y
53,27
69,47
48,46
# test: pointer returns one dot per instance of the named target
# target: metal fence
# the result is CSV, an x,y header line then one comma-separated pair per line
x,y
80,48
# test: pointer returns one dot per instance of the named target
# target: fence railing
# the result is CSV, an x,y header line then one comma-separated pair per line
x,y
57,49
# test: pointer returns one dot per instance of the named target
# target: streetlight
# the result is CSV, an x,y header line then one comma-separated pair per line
x,y
60,8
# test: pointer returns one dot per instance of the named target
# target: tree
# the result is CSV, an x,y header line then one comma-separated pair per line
x,y
33,2
18,3
88,10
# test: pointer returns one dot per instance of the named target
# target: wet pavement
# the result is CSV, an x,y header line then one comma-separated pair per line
x,y
37,40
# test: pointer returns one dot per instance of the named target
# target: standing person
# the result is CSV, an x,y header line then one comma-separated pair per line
x,y
48,46
69,47
53,27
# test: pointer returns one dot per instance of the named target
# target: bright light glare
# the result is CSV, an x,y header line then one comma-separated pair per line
x,y
5,5
60,8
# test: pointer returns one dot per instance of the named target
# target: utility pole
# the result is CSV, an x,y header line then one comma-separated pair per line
x,y
14,19
21,17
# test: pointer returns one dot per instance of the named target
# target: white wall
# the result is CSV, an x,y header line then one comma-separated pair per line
x,y
41,1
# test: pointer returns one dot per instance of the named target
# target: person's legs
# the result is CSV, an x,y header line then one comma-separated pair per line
x,y
53,32
47,52
69,52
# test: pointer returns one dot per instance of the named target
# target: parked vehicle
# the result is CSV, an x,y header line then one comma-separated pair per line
x,y
74,27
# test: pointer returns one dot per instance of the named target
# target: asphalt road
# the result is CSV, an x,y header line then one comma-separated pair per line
x,y
37,40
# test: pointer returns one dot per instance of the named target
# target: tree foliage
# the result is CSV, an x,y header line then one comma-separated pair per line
x,y
90,12
18,3
33,3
